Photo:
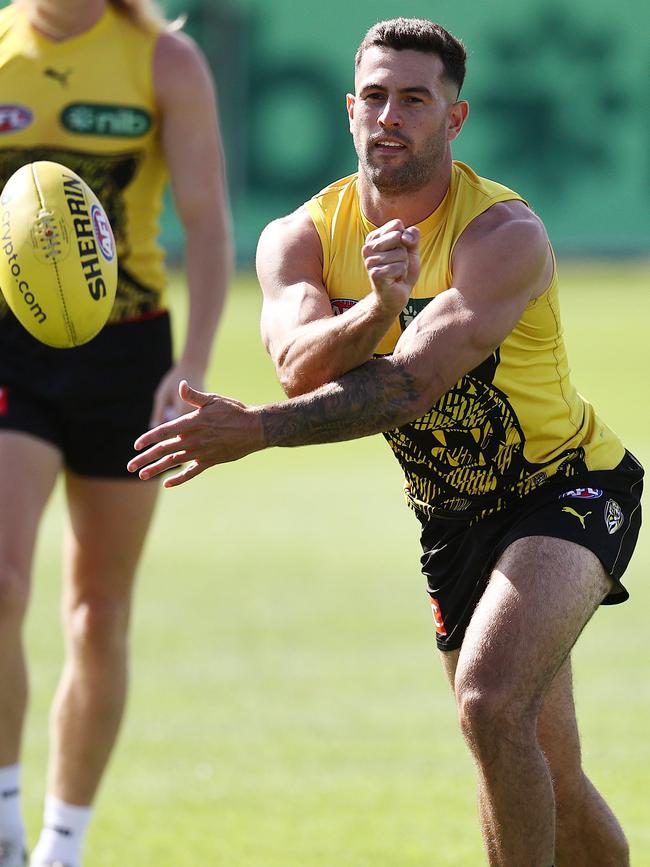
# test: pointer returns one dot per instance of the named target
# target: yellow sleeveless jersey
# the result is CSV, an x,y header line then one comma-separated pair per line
x,y
89,103
510,424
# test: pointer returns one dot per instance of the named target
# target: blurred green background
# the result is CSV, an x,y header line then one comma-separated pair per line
x,y
560,106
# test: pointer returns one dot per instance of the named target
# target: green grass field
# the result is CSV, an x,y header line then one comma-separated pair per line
x,y
287,707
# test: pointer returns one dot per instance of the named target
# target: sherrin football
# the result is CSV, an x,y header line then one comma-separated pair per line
x,y
58,265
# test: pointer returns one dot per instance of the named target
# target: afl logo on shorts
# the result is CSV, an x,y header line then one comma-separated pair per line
x,y
340,305
583,494
614,517
103,233
14,118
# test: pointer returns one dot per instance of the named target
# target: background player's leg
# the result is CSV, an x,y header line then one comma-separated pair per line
x,y
28,470
540,595
104,539
108,522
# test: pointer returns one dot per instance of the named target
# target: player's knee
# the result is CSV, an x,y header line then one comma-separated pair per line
x,y
490,719
14,591
98,625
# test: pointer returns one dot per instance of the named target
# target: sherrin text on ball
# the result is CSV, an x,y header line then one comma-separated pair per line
x,y
58,263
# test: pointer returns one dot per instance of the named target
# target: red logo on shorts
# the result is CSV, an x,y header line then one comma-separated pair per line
x,y
437,617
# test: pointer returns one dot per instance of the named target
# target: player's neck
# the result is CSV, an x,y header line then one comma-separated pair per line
x,y
59,20
411,208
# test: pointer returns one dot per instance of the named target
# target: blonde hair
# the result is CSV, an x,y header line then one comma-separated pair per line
x,y
146,14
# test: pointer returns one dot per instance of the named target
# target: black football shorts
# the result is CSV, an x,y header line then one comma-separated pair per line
x,y
91,401
600,510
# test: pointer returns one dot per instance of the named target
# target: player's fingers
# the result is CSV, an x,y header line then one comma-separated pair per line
x,y
390,226
157,444
390,257
166,431
411,236
389,241
168,462
382,273
188,472
192,395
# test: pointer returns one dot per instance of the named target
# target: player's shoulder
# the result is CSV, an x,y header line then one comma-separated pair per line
x,y
506,246
294,232
300,233
177,47
179,64
512,221
328,197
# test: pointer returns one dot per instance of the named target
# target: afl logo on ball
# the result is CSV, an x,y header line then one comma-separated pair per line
x,y
614,517
103,233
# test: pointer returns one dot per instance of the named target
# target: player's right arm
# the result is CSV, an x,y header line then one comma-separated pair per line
x,y
308,344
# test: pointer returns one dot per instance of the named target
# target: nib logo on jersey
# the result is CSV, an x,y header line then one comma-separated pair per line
x,y
114,121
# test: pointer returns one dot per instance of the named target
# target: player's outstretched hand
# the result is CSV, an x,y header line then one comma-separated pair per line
x,y
216,431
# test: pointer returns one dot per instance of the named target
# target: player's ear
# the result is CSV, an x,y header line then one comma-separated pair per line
x,y
458,113
349,103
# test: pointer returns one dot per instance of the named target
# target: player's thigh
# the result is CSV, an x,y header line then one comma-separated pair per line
x,y
108,520
540,595
28,470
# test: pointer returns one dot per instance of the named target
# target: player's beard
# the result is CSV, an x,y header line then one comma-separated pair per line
x,y
411,174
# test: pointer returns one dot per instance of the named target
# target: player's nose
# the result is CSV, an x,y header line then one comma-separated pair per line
x,y
390,117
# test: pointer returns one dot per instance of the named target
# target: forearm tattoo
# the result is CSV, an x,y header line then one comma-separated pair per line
x,y
377,396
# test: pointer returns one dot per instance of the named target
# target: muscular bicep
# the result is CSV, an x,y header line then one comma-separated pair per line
x,y
289,268
498,268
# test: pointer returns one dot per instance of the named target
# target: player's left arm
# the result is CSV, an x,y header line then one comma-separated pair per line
x,y
500,264
192,147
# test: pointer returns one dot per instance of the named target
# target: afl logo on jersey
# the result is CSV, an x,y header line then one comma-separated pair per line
x,y
14,118
340,305
103,233
583,494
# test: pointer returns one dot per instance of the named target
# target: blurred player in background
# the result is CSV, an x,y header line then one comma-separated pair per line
x,y
111,90
448,339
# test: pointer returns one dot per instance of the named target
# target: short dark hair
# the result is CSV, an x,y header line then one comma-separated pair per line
x,y
419,34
